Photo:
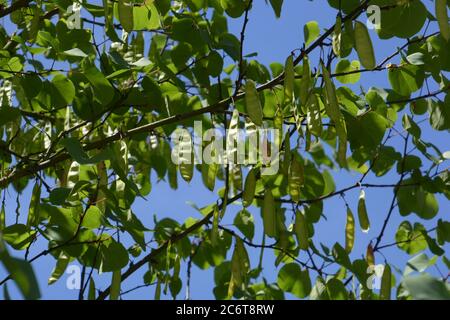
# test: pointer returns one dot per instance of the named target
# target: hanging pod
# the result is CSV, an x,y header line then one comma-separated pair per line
x,y
364,46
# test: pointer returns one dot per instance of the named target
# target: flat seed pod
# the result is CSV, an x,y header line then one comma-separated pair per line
x,y
364,46
349,231
301,230
249,189
269,215
362,212
254,107
442,18
289,78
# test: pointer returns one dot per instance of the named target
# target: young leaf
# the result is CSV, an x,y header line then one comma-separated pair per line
x,y
249,188
289,78
311,31
364,46
269,215
362,212
115,285
333,111
253,104
348,70
349,231
301,231
442,18
385,290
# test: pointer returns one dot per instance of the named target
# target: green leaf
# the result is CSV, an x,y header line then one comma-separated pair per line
x,y
234,8
336,290
63,91
363,217
61,265
349,231
92,218
416,199
364,46
443,231
348,70
301,231
404,20
410,240
311,31
18,236
425,287
74,148
245,223
341,256
406,79
21,272
125,10
249,188
115,285
75,52
269,215
292,279
277,5
103,90
253,103
8,114
440,115
442,18
418,263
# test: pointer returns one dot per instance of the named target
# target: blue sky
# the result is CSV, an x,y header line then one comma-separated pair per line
x,y
273,39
